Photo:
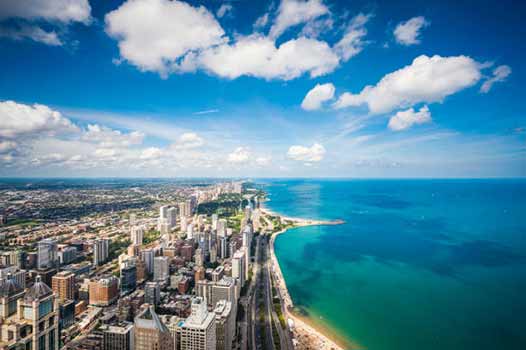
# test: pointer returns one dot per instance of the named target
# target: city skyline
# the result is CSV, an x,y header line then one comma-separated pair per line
x,y
261,89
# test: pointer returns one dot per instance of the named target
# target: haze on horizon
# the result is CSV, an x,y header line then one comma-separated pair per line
x,y
291,88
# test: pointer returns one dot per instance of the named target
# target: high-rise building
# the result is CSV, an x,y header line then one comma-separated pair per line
x,y
151,333
152,293
198,331
104,291
147,256
199,257
101,250
67,255
38,309
119,337
238,266
63,285
47,254
171,215
221,227
225,289
161,271
225,324
128,276
215,218
137,235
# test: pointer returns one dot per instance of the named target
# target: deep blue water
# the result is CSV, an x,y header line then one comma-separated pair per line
x,y
419,264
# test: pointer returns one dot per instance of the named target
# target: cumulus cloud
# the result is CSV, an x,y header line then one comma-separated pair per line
x,y
239,155
315,153
403,120
258,56
352,42
169,37
155,34
426,80
408,33
294,12
23,120
500,74
317,95
64,11
107,137
31,32
223,10
189,140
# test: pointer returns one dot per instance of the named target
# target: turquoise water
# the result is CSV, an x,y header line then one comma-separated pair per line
x,y
419,264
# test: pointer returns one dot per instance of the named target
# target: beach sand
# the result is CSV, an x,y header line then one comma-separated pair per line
x,y
306,335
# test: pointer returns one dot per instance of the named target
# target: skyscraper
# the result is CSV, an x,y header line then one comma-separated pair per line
x,y
47,254
171,216
152,293
198,331
39,309
225,321
101,250
161,268
137,235
128,276
151,333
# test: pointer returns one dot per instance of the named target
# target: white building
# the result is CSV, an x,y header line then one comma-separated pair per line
x,y
137,235
198,331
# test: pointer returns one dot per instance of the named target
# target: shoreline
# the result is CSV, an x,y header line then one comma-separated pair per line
x,y
303,327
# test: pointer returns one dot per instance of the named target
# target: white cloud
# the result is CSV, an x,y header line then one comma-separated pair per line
x,y
408,33
261,22
294,12
151,153
352,42
207,111
22,120
106,153
405,119
499,74
239,155
34,33
427,79
154,34
223,10
64,11
189,140
173,37
107,137
315,153
258,56
317,95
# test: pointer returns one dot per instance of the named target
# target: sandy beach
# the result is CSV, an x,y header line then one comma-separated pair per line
x,y
305,335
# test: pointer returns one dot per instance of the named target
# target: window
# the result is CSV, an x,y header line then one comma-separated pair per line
x,y
42,342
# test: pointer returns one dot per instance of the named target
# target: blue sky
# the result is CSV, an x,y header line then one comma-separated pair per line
x,y
253,88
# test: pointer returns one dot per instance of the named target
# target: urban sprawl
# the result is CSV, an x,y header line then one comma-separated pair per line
x,y
150,267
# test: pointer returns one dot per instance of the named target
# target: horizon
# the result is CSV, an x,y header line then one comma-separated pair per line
x,y
317,88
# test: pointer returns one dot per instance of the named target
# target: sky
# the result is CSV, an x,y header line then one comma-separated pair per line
x,y
285,88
